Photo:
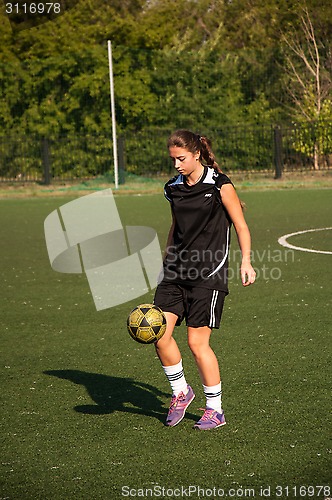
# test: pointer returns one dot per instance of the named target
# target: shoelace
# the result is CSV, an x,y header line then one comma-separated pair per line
x,y
174,401
207,414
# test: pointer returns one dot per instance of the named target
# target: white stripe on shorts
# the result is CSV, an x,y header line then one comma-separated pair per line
x,y
212,308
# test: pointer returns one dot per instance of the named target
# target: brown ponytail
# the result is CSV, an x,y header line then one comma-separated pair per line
x,y
207,156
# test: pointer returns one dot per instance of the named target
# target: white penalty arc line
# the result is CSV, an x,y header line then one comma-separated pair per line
x,y
283,240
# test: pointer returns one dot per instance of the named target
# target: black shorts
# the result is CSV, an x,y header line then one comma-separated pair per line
x,y
199,306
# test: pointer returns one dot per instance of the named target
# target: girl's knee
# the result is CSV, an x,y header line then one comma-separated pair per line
x,y
196,346
198,340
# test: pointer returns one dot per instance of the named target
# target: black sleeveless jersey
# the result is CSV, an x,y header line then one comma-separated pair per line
x,y
198,252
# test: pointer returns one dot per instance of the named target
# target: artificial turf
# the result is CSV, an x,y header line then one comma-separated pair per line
x,y
83,405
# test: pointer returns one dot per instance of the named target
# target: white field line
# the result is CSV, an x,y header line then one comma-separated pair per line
x,y
283,240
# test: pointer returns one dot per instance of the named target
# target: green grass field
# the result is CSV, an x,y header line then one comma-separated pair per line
x,y
83,405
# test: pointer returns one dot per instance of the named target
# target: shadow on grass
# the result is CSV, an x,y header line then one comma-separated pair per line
x,y
112,394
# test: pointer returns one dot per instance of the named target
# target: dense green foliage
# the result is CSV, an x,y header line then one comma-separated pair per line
x,y
201,64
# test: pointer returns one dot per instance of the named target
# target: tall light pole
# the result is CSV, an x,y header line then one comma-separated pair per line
x,y
115,149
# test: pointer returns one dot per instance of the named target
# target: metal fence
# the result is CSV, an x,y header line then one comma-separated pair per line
x,y
271,149
43,159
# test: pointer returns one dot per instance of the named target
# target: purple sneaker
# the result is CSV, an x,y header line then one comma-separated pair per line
x,y
178,407
210,420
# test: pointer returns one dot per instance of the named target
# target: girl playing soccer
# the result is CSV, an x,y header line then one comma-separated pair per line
x,y
204,204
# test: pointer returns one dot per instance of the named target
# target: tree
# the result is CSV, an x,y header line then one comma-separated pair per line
x,y
308,64
201,64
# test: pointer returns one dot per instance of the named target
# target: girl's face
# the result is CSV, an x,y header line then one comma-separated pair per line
x,y
184,161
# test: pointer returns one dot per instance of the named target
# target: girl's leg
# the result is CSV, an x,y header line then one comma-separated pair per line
x,y
166,348
207,364
170,357
206,360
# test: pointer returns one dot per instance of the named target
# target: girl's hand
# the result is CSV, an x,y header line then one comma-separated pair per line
x,y
248,274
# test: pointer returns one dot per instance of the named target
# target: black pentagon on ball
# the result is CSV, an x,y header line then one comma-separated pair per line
x,y
146,323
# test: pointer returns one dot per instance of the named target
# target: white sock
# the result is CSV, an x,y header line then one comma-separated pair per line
x,y
176,378
213,397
